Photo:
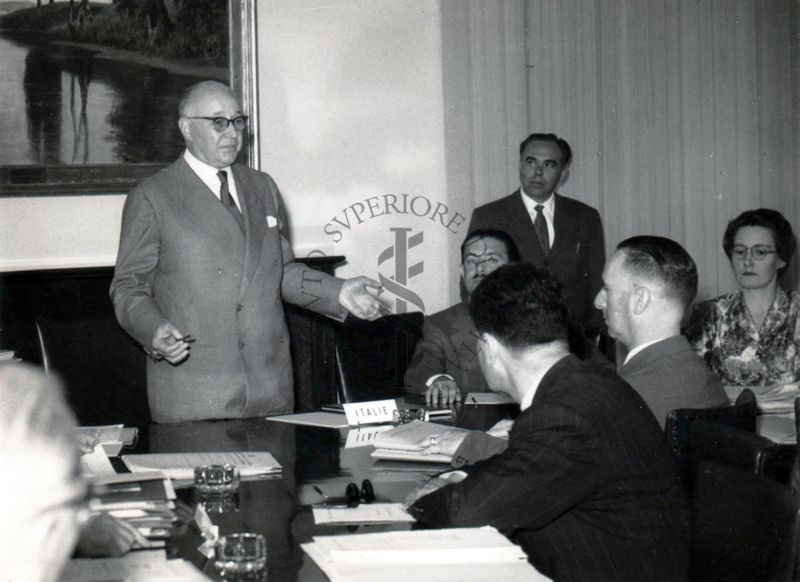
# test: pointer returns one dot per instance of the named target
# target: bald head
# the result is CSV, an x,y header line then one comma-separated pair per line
x,y
195,95
204,110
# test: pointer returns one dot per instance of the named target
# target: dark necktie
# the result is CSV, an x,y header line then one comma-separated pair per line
x,y
227,199
540,226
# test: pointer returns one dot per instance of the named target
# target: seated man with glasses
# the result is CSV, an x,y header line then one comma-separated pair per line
x,y
204,258
751,337
445,364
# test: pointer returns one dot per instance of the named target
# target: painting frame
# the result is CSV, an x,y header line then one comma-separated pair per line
x,y
105,179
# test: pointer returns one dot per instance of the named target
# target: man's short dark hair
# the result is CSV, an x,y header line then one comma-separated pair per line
x,y
501,235
785,241
665,261
566,151
521,305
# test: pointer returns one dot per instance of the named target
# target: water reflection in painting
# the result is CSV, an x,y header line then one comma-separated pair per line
x,y
79,102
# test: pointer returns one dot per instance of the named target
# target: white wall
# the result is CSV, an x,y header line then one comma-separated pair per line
x,y
352,118
51,232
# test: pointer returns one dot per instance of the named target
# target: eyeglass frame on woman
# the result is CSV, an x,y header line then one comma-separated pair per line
x,y
217,122
758,252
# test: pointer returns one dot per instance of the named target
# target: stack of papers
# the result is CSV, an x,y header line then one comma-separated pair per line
x,y
405,442
466,554
112,436
180,466
145,500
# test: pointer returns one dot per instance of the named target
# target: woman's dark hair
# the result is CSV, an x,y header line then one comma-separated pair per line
x,y
785,241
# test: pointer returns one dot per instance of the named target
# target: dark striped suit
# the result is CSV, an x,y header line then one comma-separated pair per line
x,y
587,486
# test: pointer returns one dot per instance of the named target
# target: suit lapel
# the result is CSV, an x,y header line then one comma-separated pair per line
x,y
520,222
206,211
563,224
255,225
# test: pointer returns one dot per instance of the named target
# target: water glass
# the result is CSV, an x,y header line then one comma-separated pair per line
x,y
216,479
241,557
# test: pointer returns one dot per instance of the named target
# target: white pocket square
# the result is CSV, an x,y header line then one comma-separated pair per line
x,y
271,221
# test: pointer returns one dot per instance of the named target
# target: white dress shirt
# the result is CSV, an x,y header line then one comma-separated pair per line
x,y
548,212
208,174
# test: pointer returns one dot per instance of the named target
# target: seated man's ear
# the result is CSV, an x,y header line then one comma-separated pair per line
x,y
640,300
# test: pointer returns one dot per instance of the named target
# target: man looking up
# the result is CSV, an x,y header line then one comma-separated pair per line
x,y
648,284
445,361
587,485
553,231
204,252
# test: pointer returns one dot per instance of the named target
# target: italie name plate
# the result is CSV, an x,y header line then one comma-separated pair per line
x,y
375,412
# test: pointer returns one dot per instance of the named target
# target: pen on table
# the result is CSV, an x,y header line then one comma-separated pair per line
x,y
318,490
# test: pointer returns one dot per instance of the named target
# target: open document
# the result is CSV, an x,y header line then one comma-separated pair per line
x,y
466,554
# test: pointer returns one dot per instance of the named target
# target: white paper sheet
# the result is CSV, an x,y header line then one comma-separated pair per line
x,y
467,554
364,513
323,419
96,463
181,465
487,398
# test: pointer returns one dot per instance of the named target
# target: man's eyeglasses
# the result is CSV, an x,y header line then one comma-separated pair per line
x,y
221,123
758,252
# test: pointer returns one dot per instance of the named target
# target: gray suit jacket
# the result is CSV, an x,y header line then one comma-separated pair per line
x,y
449,345
183,258
669,375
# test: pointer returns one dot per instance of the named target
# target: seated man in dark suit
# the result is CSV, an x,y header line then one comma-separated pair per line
x,y
445,361
587,485
648,284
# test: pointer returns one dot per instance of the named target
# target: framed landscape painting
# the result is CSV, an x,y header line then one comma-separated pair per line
x,y
89,91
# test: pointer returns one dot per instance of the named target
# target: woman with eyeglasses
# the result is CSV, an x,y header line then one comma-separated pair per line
x,y
750,337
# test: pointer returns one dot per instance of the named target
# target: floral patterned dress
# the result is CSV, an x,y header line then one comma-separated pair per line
x,y
724,335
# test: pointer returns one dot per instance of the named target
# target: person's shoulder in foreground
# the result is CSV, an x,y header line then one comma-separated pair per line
x,y
41,491
586,486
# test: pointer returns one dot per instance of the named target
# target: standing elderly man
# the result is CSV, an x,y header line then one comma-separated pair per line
x,y
204,253
648,284
445,362
553,231
587,485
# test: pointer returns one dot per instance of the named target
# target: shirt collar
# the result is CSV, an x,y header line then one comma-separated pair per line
x,y
640,347
530,203
208,174
527,400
